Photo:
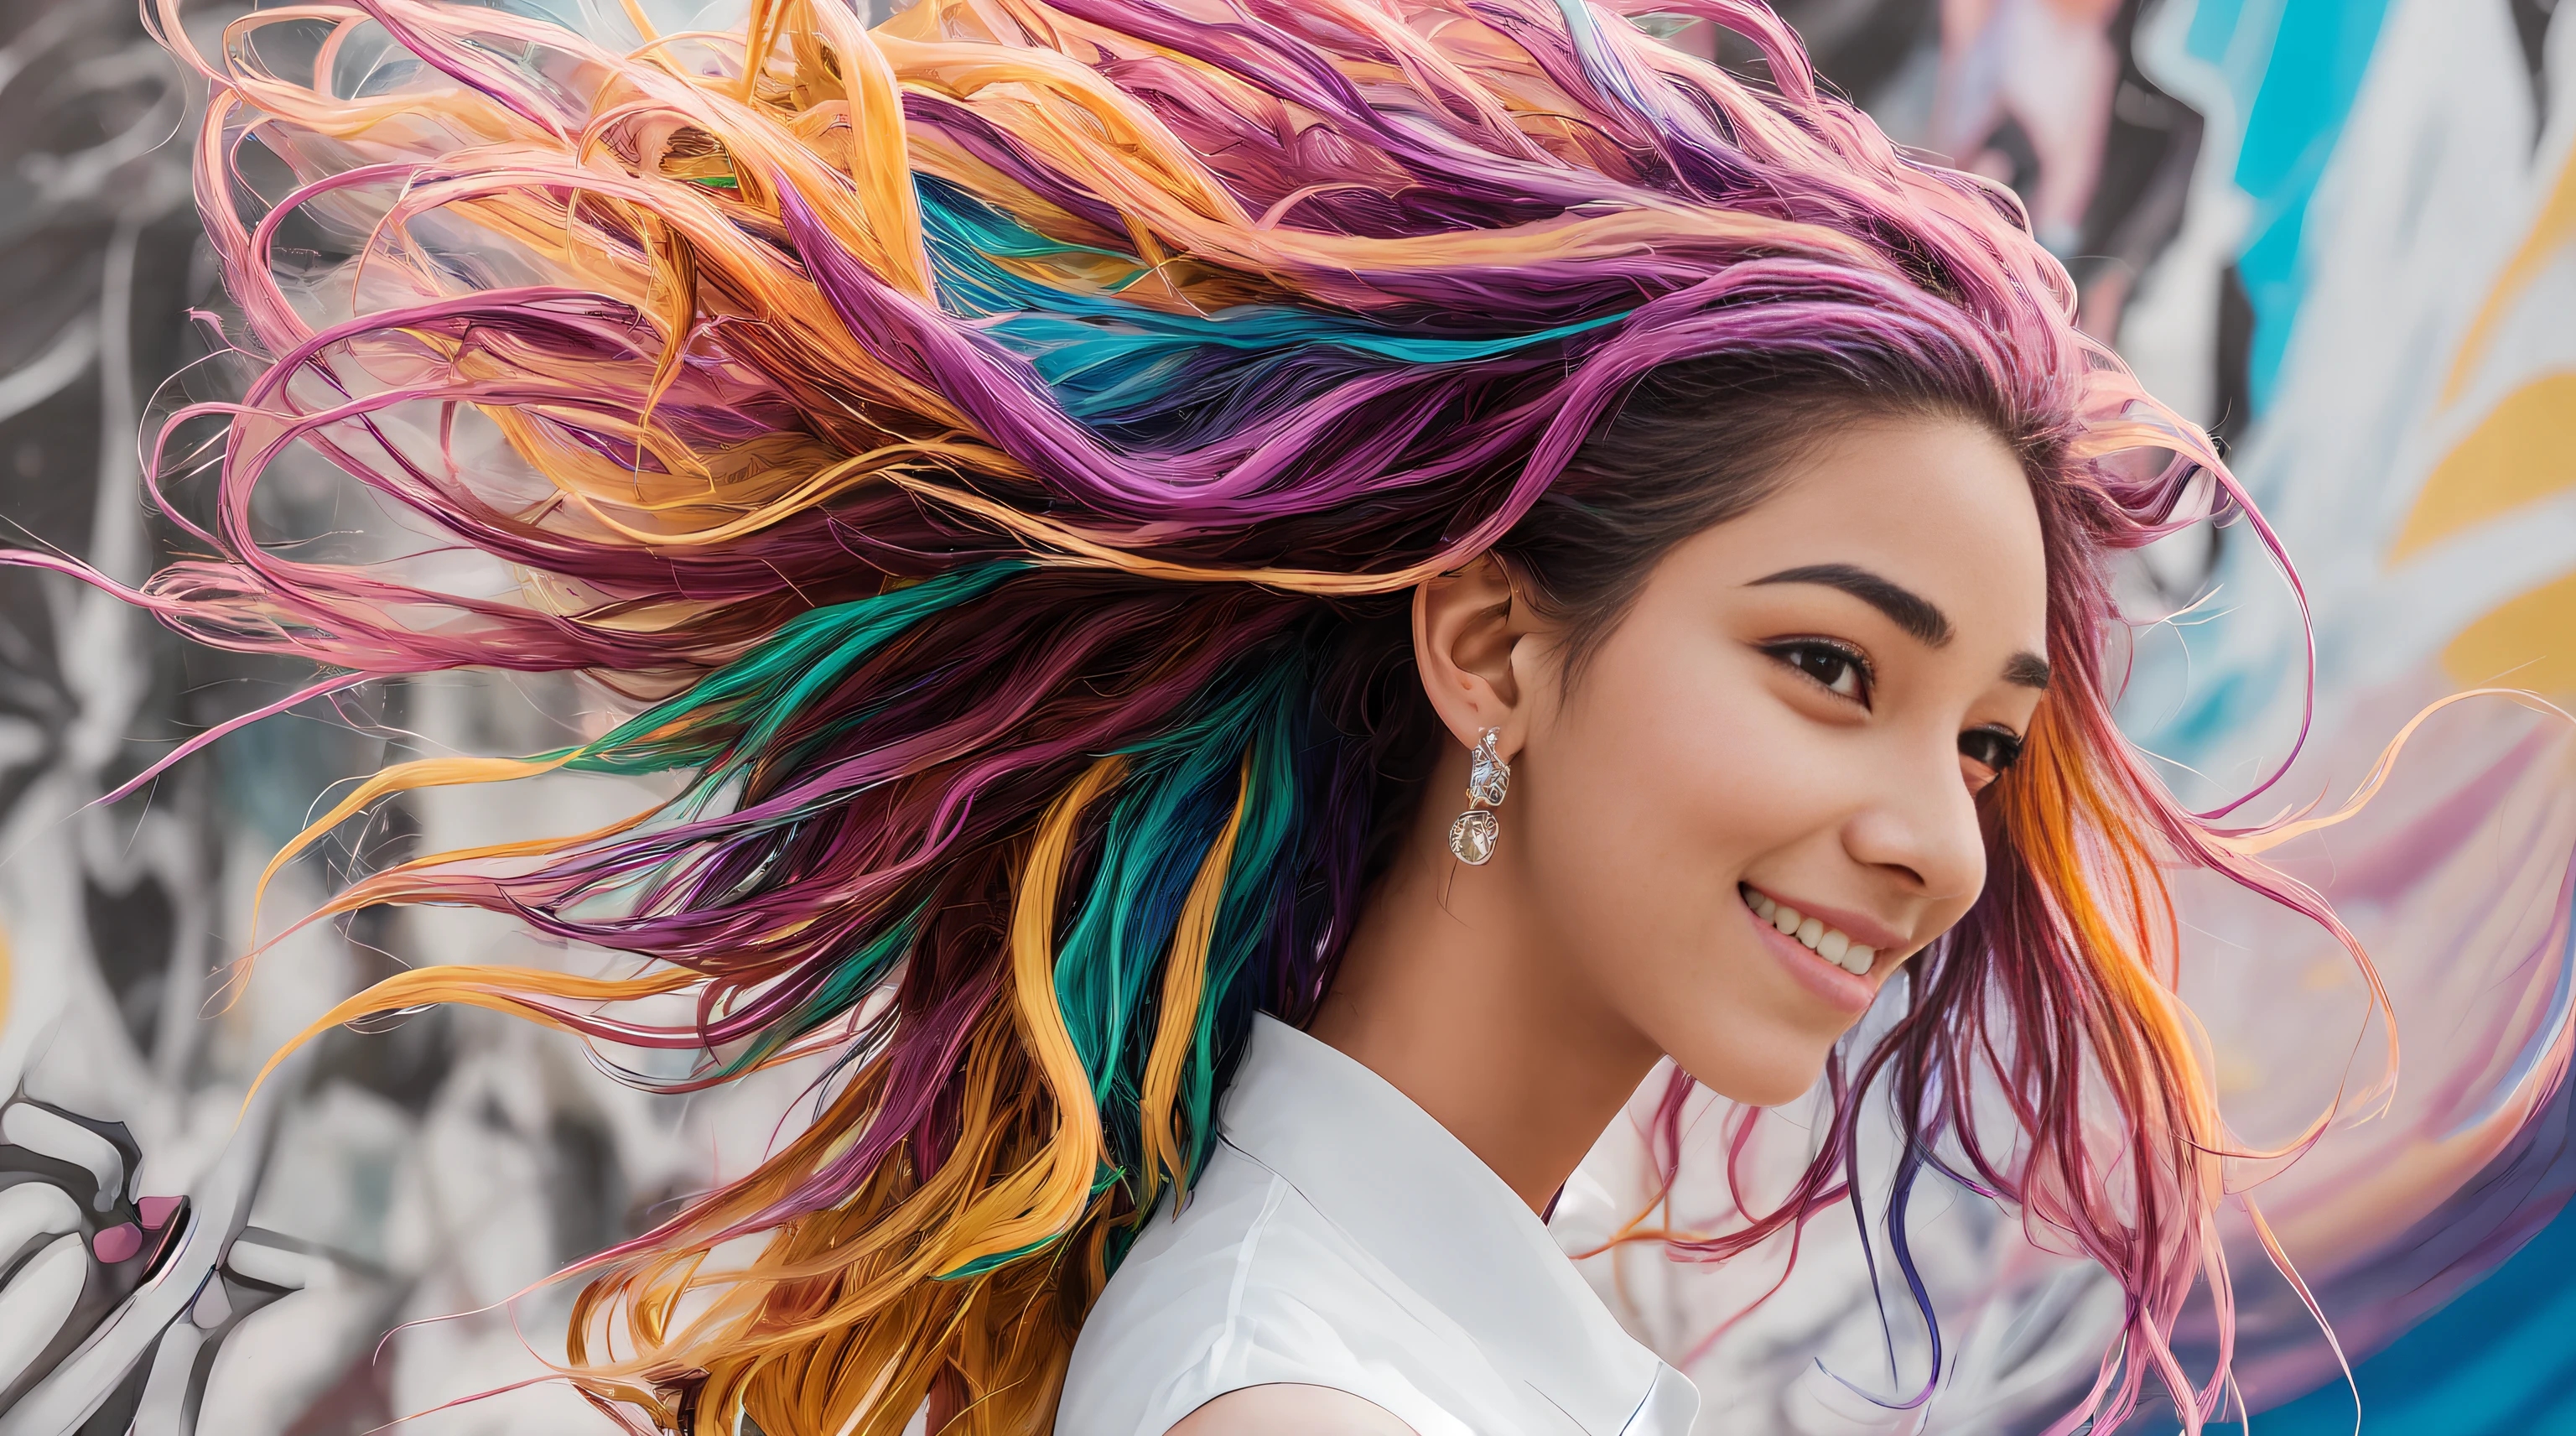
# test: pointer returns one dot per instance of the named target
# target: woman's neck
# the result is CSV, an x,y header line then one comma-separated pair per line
x,y
1450,994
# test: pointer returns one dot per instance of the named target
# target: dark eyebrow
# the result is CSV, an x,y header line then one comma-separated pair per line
x,y
2027,670
1904,607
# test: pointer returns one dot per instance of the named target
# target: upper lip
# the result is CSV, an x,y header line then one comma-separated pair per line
x,y
1860,928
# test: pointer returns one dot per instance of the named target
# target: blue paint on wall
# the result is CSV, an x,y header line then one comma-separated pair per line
x,y
2498,1361
2319,54
2214,24
2294,67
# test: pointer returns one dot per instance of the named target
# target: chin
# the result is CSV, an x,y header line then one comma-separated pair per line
x,y
1782,1079
1786,1089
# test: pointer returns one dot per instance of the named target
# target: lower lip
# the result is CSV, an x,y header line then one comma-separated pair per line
x,y
1842,990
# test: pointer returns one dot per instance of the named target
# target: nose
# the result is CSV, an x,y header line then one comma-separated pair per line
x,y
1920,828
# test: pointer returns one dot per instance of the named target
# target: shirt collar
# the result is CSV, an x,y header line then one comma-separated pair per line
x,y
1415,1198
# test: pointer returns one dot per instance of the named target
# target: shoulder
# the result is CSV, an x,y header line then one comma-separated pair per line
x,y
1247,1273
1289,1409
1247,1287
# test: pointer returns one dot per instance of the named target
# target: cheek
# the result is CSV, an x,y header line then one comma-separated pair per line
x,y
1678,768
1673,770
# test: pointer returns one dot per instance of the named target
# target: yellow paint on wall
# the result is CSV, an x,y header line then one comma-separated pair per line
x,y
2524,451
2526,642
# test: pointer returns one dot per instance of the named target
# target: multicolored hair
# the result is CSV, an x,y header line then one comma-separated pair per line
x,y
990,454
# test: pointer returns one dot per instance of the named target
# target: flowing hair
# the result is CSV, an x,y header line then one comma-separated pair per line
x,y
988,456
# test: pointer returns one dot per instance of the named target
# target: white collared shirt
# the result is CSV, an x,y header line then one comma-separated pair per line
x,y
1342,1237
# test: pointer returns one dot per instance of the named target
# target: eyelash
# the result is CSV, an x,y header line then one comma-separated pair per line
x,y
1997,749
2006,750
1788,652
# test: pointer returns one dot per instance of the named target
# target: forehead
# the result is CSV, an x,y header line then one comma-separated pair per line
x,y
1939,506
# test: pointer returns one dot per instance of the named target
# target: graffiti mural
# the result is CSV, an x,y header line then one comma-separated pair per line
x,y
174,1259
2340,233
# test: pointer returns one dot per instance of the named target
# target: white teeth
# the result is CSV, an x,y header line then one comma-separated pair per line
x,y
1831,944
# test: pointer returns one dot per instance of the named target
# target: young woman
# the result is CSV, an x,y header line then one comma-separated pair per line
x,y
1263,603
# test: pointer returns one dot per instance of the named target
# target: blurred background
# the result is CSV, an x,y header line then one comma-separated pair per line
x,y
2339,233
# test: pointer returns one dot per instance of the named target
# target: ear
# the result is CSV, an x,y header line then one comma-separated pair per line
x,y
1478,648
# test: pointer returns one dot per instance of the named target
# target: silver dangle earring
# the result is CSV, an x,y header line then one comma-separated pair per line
x,y
1472,837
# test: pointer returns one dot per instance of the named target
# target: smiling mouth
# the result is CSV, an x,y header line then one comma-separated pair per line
x,y
1831,944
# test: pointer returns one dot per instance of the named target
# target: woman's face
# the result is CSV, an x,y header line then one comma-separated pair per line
x,y
1797,713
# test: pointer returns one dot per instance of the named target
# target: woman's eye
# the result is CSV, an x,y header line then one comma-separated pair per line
x,y
1993,748
1840,670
